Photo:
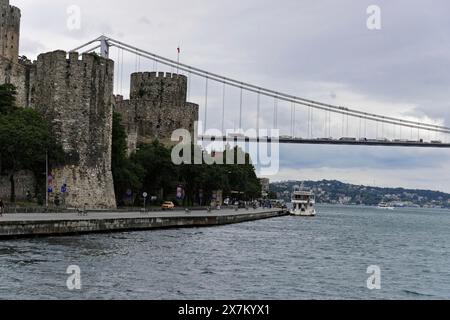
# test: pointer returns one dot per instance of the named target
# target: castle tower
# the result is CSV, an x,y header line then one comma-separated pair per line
x,y
13,70
9,31
167,89
76,97
156,108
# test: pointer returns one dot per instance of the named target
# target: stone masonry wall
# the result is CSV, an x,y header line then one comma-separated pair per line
x,y
13,70
18,75
76,96
9,31
24,181
156,108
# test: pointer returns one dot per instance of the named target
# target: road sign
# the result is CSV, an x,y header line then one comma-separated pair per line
x,y
145,194
64,188
50,190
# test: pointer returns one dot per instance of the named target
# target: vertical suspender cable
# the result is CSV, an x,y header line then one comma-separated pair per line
x,y
189,86
359,132
346,130
258,110
329,124
118,71
136,63
121,74
223,110
365,128
294,121
377,131
206,105
240,110
275,113
309,122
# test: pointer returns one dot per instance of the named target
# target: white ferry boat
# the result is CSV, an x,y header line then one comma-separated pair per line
x,y
385,206
303,202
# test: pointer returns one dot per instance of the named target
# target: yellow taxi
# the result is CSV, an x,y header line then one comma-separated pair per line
x,y
168,205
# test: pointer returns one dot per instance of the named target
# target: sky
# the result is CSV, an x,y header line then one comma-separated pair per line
x,y
317,49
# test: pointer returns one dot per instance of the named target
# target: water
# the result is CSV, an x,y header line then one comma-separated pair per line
x,y
284,258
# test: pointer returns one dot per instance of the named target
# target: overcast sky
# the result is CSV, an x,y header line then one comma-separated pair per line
x,y
318,49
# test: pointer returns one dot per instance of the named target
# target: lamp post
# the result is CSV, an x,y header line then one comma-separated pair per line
x,y
46,179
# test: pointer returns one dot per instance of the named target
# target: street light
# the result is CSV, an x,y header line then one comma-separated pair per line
x,y
46,179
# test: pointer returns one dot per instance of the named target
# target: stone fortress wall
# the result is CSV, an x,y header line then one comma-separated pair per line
x,y
12,69
157,106
9,31
75,95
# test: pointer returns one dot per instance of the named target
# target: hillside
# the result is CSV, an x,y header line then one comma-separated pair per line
x,y
336,192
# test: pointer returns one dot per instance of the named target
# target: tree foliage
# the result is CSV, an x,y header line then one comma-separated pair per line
x,y
160,177
127,174
25,138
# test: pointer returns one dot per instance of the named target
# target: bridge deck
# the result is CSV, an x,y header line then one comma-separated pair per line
x,y
416,144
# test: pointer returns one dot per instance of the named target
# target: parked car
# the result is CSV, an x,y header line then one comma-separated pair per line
x,y
168,205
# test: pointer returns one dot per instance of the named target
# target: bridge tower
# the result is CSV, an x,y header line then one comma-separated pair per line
x,y
9,31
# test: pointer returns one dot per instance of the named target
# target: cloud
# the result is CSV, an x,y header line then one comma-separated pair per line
x,y
315,49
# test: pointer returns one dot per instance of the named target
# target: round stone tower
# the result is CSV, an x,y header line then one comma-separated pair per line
x,y
9,31
157,107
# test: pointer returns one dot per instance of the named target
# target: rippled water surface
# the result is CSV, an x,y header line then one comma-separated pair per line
x,y
284,258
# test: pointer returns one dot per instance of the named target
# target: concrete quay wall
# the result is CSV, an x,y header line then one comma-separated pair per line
x,y
73,224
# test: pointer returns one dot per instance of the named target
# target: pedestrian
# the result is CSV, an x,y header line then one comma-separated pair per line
x,y
2,207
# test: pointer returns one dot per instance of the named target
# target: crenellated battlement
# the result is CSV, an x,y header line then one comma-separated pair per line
x,y
167,75
156,108
166,87
73,58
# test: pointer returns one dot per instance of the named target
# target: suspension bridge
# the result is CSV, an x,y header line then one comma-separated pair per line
x,y
295,119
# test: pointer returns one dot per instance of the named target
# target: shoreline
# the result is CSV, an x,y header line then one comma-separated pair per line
x,y
14,226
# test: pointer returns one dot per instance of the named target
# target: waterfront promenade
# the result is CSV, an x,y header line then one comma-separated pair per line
x,y
51,224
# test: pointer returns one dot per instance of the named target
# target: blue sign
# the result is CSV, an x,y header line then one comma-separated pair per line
x,y
180,193
64,188
50,190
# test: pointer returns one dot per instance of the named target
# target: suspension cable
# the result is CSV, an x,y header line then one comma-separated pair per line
x,y
265,91
279,95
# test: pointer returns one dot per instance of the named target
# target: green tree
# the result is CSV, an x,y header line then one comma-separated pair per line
x,y
25,139
7,98
160,174
127,174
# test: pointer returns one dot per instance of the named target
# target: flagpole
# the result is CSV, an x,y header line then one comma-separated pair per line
x,y
178,59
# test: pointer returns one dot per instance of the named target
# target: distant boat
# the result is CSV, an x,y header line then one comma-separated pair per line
x,y
385,206
303,202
